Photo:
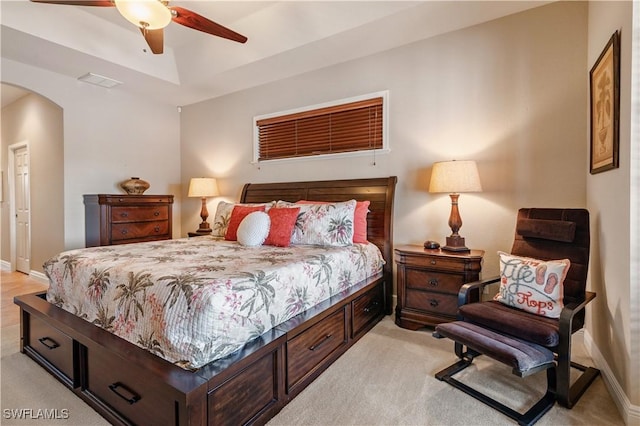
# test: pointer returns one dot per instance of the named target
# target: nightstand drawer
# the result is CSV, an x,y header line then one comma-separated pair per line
x,y
127,231
136,214
437,303
434,281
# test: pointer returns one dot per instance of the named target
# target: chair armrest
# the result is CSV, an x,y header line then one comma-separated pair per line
x,y
470,292
569,312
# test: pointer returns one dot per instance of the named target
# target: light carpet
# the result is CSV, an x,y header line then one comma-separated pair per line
x,y
386,378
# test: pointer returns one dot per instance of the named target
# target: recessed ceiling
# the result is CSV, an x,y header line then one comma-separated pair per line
x,y
286,38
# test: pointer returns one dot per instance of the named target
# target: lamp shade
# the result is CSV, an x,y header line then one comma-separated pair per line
x,y
149,14
454,177
203,187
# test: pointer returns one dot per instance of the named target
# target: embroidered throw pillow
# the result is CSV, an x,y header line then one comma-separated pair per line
x,y
253,229
282,222
535,286
359,219
223,215
239,212
325,224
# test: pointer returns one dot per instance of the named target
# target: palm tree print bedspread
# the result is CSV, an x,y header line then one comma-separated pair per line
x,y
192,301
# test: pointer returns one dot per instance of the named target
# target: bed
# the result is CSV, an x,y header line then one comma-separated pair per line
x,y
130,385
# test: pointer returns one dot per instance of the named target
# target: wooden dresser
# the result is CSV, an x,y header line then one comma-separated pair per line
x,y
123,219
428,284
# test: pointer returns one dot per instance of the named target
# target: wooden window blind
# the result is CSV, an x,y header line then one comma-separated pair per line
x,y
354,126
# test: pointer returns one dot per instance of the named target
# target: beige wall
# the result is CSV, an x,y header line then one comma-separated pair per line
x,y
38,121
507,93
614,324
109,136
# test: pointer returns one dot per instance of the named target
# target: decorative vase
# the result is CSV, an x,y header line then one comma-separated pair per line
x,y
135,186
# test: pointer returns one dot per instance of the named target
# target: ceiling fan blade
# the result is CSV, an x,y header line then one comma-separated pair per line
x,y
101,3
155,39
191,19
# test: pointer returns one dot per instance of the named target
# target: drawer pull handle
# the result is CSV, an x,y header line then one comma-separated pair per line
x,y
371,307
322,342
433,303
131,398
124,214
123,232
157,229
51,345
433,282
156,213
433,262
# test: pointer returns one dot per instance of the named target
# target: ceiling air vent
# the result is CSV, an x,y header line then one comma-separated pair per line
x,y
99,80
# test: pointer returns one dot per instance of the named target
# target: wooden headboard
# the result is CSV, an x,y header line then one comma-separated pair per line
x,y
380,191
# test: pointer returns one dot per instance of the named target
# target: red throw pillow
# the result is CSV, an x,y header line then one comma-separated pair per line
x,y
282,222
359,219
239,213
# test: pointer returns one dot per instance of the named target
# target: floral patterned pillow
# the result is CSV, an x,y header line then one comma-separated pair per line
x,y
326,224
223,216
535,286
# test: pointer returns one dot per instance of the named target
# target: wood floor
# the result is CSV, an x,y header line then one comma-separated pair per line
x,y
13,284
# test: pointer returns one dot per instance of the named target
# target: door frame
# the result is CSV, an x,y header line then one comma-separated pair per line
x,y
12,199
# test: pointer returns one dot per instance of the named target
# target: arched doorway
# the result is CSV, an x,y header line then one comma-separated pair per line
x,y
32,121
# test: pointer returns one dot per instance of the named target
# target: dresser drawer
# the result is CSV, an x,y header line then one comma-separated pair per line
x,y
307,350
432,302
127,231
53,345
434,281
127,390
137,214
366,309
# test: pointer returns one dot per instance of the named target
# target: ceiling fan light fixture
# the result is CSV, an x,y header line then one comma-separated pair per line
x,y
147,14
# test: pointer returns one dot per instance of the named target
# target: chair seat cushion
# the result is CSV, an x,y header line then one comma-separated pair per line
x,y
515,322
524,357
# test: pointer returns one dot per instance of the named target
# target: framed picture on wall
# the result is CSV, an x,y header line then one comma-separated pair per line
x,y
604,79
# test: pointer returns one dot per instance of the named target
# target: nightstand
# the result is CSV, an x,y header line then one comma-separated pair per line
x,y
428,282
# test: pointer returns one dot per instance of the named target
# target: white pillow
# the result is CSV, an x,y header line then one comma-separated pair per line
x,y
253,229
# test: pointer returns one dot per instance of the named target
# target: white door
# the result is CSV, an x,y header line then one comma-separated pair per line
x,y
22,210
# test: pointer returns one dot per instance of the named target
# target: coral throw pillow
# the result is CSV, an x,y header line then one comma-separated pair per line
x,y
239,212
359,219
533,285
282,222
223,215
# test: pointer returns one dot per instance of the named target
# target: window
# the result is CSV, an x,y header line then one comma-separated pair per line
x,y
356,125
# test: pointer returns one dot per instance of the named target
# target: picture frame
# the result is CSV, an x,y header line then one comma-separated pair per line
x,y
604,85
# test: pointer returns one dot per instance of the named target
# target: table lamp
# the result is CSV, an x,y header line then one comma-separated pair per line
x,y
203,188
455,177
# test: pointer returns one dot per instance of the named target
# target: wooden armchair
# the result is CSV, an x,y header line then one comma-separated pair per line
x,y
530,342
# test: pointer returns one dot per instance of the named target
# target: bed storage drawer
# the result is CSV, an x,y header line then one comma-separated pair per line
x,y
307,350
128,390
366,309
54,346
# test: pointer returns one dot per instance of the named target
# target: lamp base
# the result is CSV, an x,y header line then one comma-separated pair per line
x,y
456,244
204,228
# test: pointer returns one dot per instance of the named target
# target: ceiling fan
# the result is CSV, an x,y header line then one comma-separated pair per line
x,y
151,16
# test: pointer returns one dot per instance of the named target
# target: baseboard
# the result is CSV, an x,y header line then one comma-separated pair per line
x,y
630,412
36,275
39,276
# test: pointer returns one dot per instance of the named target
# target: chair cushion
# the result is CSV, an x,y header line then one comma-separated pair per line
x,y
524,357
515,322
